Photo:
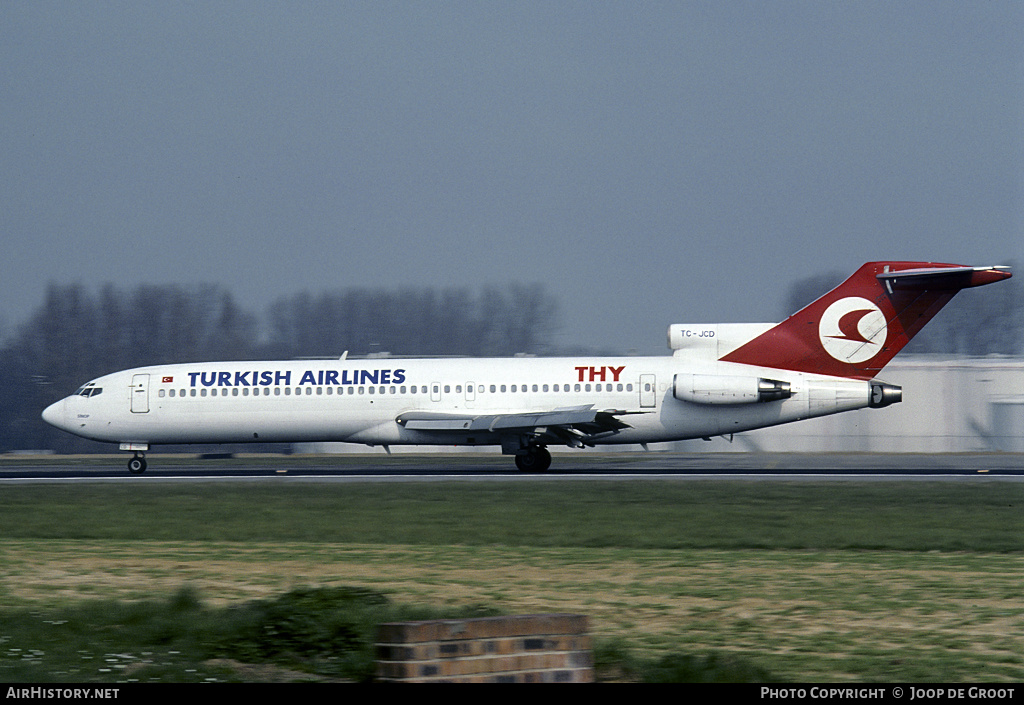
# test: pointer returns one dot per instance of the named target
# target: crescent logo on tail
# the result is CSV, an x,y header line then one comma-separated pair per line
x,y
849,325
852,330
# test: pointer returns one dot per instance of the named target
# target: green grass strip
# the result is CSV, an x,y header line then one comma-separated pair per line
x,y
916,516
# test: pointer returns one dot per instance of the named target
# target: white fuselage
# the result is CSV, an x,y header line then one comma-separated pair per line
x,y
359,401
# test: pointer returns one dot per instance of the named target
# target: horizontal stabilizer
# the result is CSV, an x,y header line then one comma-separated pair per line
x,y
944,277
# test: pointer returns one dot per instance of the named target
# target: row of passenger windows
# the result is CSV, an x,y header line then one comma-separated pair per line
x,y
393,389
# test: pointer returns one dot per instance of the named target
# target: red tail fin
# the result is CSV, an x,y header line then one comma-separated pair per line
x,y
855,329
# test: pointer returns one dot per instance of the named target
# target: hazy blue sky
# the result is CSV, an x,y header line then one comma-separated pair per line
x,y
648,162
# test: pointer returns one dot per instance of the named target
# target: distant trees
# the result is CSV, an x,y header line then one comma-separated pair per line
x,y
977,322
414,322
78,334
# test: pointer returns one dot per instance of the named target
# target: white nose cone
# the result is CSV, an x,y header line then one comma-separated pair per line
x,y
56,415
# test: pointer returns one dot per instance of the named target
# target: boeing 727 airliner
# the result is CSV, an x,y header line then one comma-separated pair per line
x,y
720,379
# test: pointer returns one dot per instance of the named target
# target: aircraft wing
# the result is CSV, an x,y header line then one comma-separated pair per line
x,y
576,425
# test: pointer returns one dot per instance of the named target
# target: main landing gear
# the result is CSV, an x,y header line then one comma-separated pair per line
x,y
533,459
137,465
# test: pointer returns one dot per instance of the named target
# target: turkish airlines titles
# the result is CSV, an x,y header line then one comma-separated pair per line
x,y
270,378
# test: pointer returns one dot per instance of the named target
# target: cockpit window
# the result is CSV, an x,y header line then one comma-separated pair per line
x,y
89,390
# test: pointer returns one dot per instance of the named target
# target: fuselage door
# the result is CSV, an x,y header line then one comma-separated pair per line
x,y
435,391
140,394
648,392
470,393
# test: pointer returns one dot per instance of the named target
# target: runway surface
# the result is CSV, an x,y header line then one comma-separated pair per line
x,y
569,466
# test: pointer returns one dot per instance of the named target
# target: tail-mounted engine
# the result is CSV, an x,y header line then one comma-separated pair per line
x,y
729,389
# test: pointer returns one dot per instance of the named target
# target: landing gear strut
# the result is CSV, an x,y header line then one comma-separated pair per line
x,y
137,465
534,459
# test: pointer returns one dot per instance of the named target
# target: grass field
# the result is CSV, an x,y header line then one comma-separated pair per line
x,y
879,581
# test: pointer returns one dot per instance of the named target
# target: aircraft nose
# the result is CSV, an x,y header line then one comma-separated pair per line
x,y
56,414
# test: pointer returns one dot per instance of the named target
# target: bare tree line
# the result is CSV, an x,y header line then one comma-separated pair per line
x,y
493,322
78,334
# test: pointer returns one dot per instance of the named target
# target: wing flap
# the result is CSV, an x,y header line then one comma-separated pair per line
x,y
583,419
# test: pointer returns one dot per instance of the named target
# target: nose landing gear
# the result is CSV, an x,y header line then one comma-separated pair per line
x,y
137,465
